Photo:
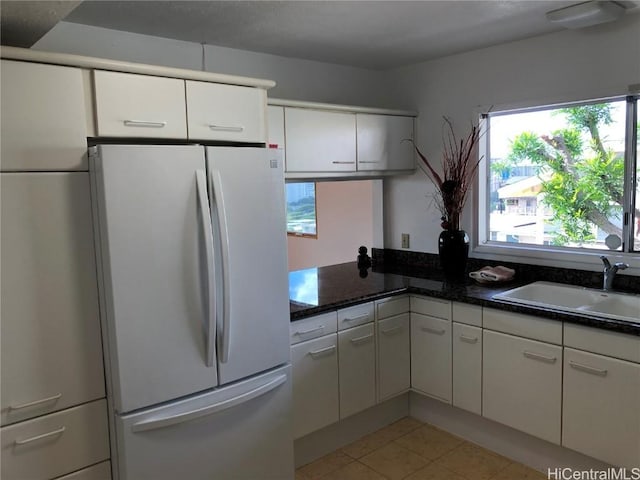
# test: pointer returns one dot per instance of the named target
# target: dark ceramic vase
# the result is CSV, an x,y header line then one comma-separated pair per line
x,y
453,248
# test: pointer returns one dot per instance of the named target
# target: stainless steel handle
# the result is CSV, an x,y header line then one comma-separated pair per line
x,y
144,123
36,402
307,332
539,356
368,161
218,196
587,369
357,319
467,339
207,229
336,162
391,331
433,330
363,339
58,431
322,351
226,128
155,423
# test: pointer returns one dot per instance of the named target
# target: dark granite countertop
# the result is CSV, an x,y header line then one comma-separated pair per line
x,y
323,289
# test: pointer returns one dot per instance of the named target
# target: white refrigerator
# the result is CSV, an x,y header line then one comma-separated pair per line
x,y
192,262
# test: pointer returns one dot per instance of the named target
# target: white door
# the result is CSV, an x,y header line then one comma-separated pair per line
x,y
357,369
431,355
153,219
394,356
247,207
240,432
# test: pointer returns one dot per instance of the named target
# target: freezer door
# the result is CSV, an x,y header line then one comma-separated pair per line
x,y
239,432
153,215
248,216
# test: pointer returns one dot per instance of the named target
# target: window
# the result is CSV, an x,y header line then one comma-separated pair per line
x,y
562,177
301,209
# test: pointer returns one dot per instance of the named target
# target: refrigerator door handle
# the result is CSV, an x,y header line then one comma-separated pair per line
x,y
167,421
205,218
218,197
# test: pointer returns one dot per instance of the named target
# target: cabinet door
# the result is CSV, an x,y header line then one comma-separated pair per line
x,y
431,356
44,124
51,349
394,358
467,368
226,112
381,142
601,402
320,141
315,384
357,367
275,126
130,105
521,384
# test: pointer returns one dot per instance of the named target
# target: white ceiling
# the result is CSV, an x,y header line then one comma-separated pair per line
x,y
371,34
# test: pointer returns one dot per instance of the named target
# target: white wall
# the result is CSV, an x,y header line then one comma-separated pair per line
x,y
345,221
296,79
568,65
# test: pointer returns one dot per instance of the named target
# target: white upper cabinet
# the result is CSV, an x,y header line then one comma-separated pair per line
x,y
320,141
43,117
382,142
130,105
226,112
51,349
275,123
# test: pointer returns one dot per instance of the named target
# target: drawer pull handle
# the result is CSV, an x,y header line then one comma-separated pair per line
x,y
59,431
363,339
391,331
358,318
37,402
540,357
323,351
307,332
369,161
467,339
587,369
144,123
226,128
336,162
436,331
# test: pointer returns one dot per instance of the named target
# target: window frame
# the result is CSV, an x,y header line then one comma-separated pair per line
x,y
315,210
570,257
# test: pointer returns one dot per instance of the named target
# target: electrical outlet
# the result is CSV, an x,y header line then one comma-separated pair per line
x,y
405,240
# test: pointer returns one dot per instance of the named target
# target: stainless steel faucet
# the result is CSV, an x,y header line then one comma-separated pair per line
x,y
610,272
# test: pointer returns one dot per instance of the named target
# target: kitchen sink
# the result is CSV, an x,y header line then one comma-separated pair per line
x,y
569,298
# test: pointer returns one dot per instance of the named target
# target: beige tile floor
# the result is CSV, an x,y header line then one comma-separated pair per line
x,y
411,450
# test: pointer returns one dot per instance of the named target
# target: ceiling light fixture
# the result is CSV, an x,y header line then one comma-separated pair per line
x,y
586,14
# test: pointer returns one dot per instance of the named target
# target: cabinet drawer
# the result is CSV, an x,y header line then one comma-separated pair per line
x,y
527,326
44,123
357,369
467,368
601,396
605,342
394,356
467,314
101,471
313,327
389,307
226,112
354,316
130,105
433,307
56,444
315,384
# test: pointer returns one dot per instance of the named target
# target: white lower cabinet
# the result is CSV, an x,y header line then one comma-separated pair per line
x,y
601,402
315,384
522,384
431,356
56,444
101,471
467,368
394,357
357,370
